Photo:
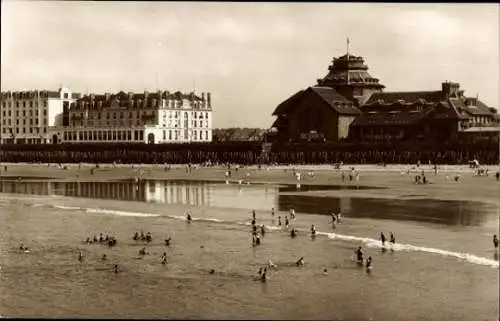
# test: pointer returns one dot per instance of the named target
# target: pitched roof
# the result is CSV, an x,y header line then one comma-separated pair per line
x,y
336,101
407,96
478,109
285,105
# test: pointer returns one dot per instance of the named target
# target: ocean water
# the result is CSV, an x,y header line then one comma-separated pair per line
x,y
443,266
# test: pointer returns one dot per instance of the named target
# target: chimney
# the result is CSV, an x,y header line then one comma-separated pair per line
x,y
203,97
209,103
130,95
107,96
450,89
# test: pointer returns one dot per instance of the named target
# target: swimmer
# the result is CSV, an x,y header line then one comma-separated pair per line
x,y
369,264
382,238
313,230
495,241
300,262
271,265
263,276
359,254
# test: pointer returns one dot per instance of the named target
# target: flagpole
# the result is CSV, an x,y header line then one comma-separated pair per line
x,y
347,70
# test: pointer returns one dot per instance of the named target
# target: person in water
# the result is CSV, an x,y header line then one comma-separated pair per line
x,y
300,262
189,218
382,238
272,212
257,240
313,230
393,239
369,264
359,254
293,233
286,221
263,276
142,235
495,241
101,238
95,239
167,241
279,221
262,230
253,215
136,236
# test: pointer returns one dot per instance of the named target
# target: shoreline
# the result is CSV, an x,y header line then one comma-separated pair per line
x,y
394,180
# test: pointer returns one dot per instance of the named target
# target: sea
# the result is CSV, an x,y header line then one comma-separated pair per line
x,y
443,265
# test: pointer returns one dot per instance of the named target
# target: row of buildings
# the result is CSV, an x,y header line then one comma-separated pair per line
x,y
349,104
41,117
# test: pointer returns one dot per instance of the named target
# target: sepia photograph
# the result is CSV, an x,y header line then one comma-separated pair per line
x,y
250,160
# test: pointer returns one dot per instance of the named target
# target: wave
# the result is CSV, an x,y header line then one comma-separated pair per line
x,y
369,242
373,243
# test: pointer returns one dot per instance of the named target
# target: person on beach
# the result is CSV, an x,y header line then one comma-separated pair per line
x,y
116,268
253,221
23,247
163,258
382,238
80,256
286,222
495,241
262,230
95,239
263,276
271,265
300,261
104,257
272,212
143,237
292,213
279,221
143,251
167,241
338,217
253,215
293,233
136,236
254,229
101,238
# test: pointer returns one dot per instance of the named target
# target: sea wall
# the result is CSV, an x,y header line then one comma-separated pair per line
x,y
252,153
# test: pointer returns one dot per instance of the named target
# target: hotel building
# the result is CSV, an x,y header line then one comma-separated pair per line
x,y
153,118
28,116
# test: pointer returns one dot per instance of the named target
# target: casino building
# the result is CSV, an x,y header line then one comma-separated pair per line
x,y
154,118
349,104
28,116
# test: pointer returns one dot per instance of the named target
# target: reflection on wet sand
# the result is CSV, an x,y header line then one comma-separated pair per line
x,y
262,197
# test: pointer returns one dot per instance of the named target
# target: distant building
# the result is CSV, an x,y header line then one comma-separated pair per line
x,y
153,118
28,116
421,115
348,103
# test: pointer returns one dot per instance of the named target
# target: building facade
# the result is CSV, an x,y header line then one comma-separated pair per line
x,y
28,116
348,103
153,118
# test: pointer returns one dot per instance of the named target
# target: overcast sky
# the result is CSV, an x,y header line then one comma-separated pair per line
x,y
250,56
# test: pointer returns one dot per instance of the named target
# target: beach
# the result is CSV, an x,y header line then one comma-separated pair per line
x,y
443,265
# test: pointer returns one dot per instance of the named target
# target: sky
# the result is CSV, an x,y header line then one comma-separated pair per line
x,y
250,56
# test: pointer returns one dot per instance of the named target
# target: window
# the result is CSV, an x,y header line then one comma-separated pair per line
x,y
201,123
31,104
195,135
141,135
206,135
164,135
45,112
31,113
170,135
24,104
80,136
65,95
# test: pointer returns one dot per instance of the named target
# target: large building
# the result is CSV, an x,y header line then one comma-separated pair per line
x,y
153,118
28,116
348,103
